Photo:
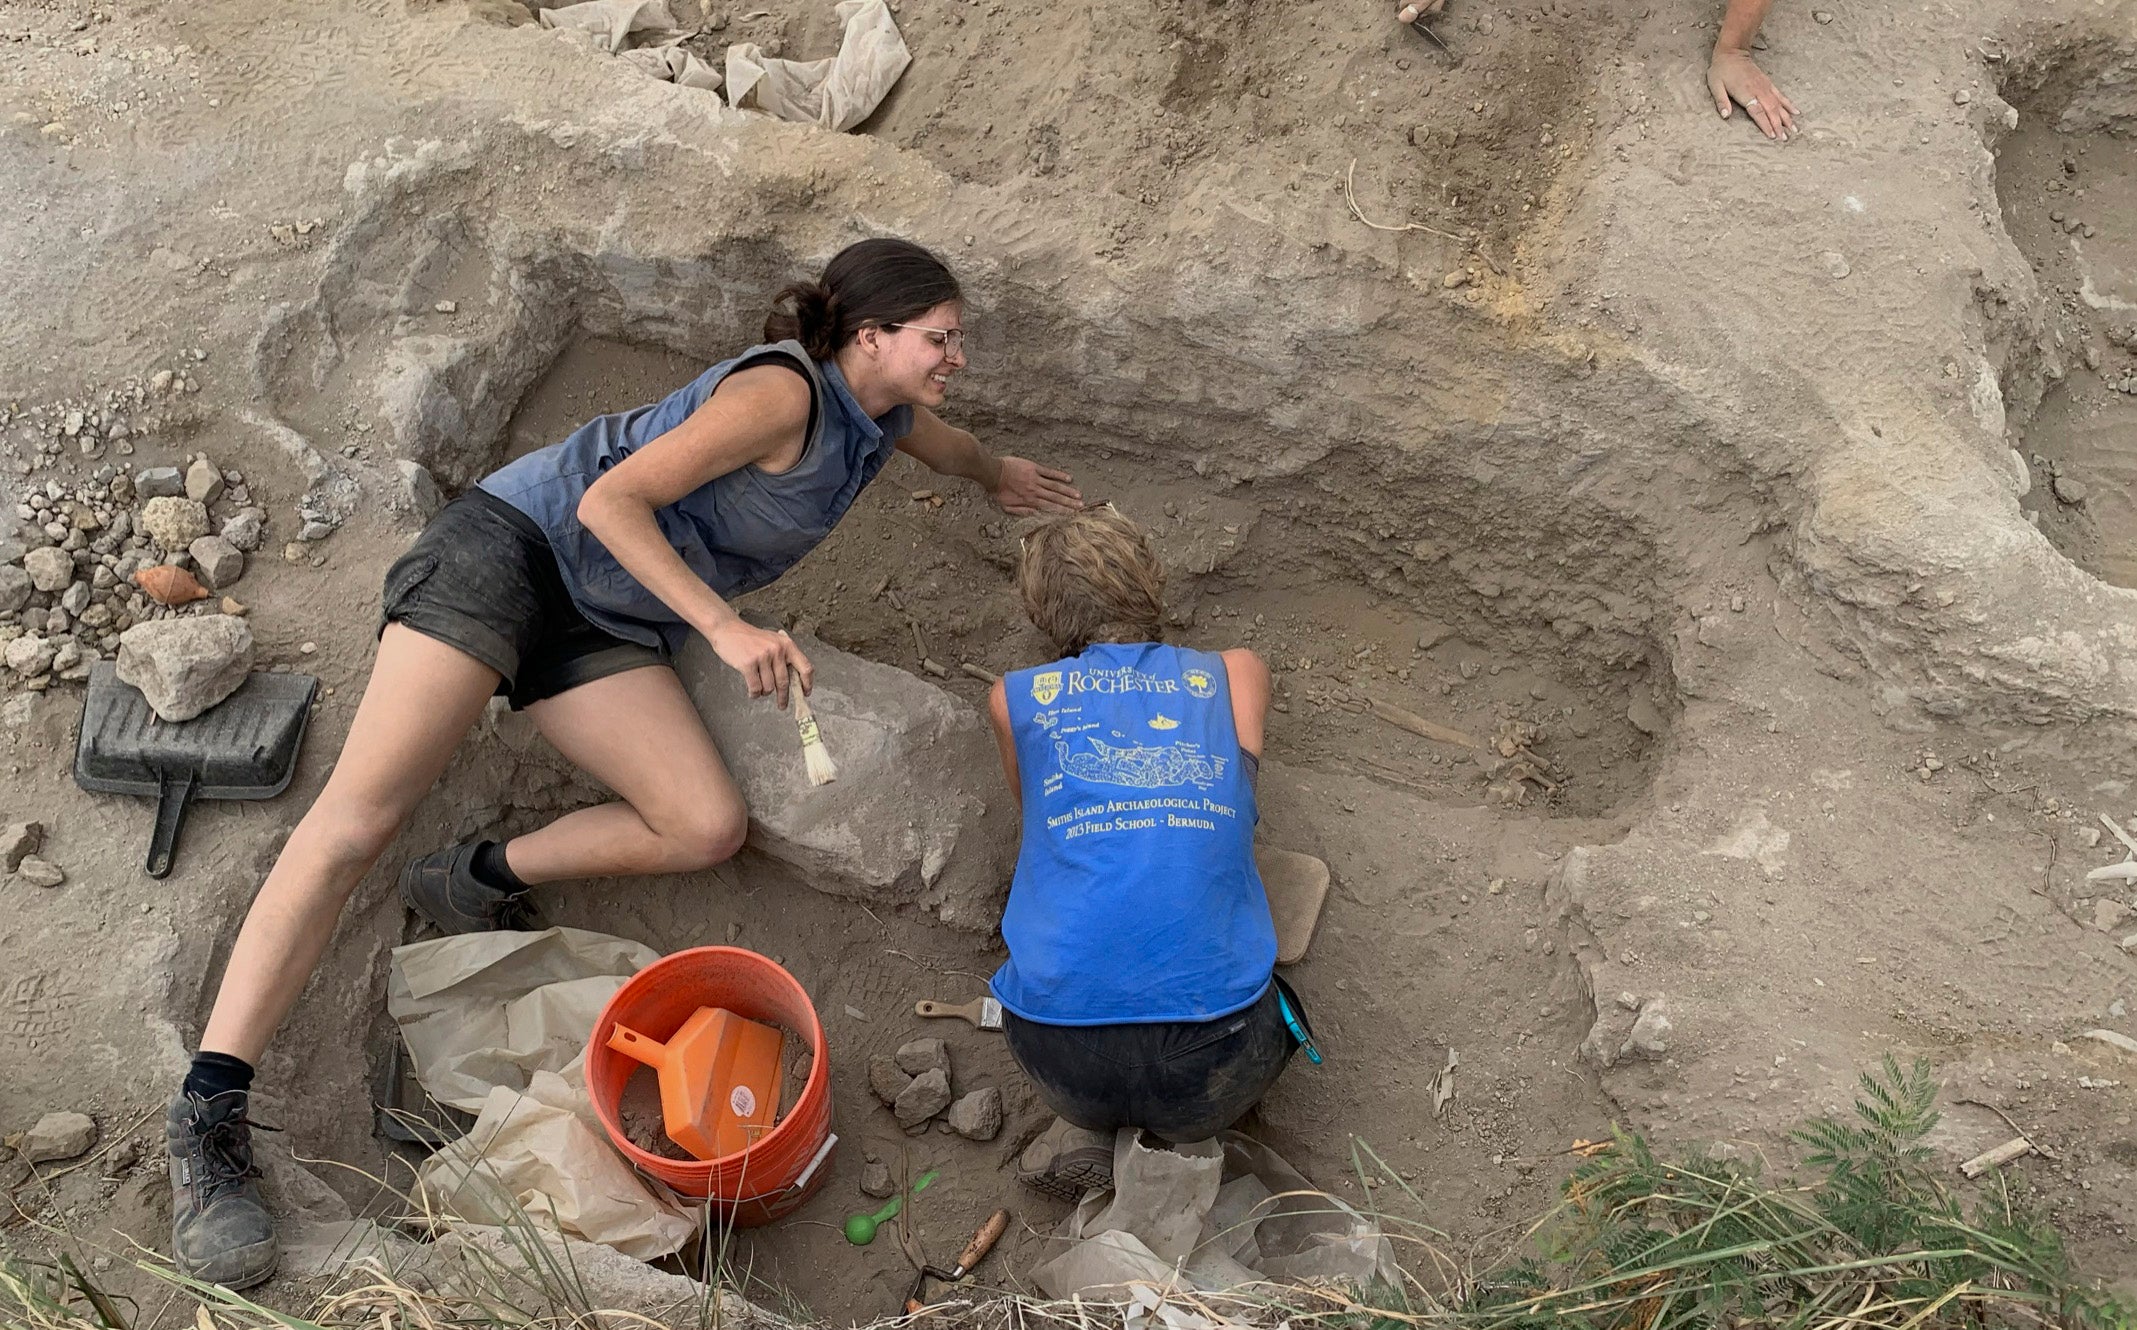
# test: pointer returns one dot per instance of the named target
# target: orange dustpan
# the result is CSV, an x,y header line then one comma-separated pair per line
x,y
719,1079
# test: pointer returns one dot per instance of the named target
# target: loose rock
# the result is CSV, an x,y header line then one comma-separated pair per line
x,y
977,1116
174,523
1650,1032
219,561
246,529
928,1095
924,1055
420,490
2070,491
58,1136
184,666
15,589
875,1179
885,1080
18,839
30,654
159,482
49,569
39,873
204,481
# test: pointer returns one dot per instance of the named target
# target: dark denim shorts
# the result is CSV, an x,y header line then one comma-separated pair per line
x,y
1179,1080
482,579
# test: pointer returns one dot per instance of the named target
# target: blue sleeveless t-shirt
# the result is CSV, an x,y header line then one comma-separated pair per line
x,y
1136,899
738,531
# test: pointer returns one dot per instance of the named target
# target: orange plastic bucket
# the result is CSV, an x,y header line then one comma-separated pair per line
x,y
763,1181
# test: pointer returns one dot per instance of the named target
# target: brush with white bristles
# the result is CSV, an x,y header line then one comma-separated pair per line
x,y
822,770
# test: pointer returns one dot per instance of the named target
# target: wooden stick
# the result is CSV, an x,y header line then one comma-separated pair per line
x,y
920,644
1418,725
1998,1157
978,672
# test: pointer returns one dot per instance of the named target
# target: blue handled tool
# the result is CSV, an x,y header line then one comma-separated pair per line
x,y
1298,1028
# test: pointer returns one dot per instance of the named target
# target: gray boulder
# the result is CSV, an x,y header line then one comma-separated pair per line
x,y
917,815
184,666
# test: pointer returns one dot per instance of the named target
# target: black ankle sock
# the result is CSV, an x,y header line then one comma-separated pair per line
x,y
491,870
217,1073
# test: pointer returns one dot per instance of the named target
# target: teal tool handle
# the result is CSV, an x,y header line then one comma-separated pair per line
x,y
1298,1028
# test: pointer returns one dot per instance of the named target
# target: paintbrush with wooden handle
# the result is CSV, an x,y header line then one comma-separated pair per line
x,y
822,770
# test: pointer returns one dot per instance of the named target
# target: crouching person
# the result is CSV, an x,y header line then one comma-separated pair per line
x,y
1140,989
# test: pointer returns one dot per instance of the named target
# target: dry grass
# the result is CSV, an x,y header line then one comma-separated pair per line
x,y
1871,1240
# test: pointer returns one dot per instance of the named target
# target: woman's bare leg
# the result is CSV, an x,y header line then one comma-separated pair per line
x,y
638,734
422,698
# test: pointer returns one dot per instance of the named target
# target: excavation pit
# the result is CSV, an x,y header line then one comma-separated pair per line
x,y
2067,182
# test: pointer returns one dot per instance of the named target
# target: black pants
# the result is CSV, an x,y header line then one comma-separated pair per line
x,y
1180,1080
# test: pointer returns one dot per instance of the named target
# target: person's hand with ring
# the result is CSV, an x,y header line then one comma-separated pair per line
x,y
1025,488
1733,76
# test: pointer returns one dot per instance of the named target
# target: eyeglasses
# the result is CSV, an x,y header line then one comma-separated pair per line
x,y
951,340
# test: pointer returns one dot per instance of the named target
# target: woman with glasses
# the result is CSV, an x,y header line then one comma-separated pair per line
x,y
564,582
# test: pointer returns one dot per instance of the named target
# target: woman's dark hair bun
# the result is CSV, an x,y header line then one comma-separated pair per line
x,y
813,323
867,284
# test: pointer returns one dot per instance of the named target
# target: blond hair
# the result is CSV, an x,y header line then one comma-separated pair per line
x,y
1092,577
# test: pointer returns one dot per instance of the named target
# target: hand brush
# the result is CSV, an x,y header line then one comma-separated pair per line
x,y
822,770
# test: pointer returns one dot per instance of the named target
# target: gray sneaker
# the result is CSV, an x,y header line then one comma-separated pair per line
x,y
220,1233
442,888
1067,1161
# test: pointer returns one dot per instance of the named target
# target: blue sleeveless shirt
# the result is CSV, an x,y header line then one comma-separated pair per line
x,y
739,531
1136,899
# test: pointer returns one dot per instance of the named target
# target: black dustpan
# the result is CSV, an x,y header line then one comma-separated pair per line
x,y
244,747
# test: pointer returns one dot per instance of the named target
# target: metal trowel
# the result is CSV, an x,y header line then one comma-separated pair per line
x,y
244,747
